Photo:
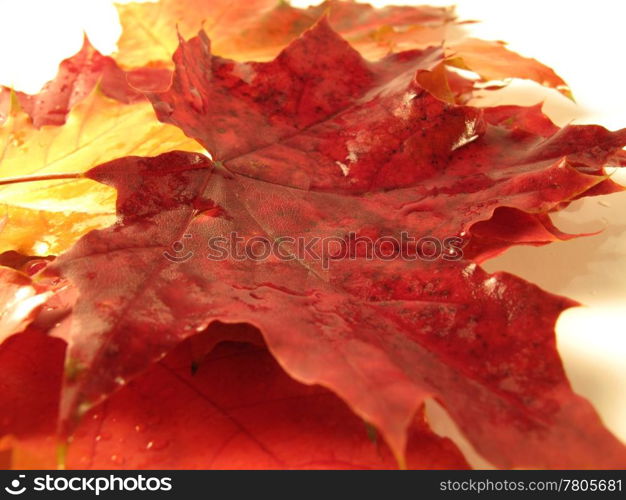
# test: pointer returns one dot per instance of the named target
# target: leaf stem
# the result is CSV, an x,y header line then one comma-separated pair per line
x,y
33,178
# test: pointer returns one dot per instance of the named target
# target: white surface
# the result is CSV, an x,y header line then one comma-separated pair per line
x,y
582,41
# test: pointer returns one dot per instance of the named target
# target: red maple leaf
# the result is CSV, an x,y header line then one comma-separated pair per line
x,y
320,143
232,423
76,78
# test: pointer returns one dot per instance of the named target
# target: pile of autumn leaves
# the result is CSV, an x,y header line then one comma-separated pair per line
x,y
112,356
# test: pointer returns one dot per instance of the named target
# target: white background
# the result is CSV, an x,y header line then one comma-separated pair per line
x,y
582,41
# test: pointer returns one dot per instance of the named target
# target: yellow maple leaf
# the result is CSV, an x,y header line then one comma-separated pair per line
x,y
260,29
150,29
47,217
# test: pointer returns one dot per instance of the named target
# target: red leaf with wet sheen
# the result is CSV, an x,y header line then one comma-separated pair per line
x,y
223,415
320,143
213,411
